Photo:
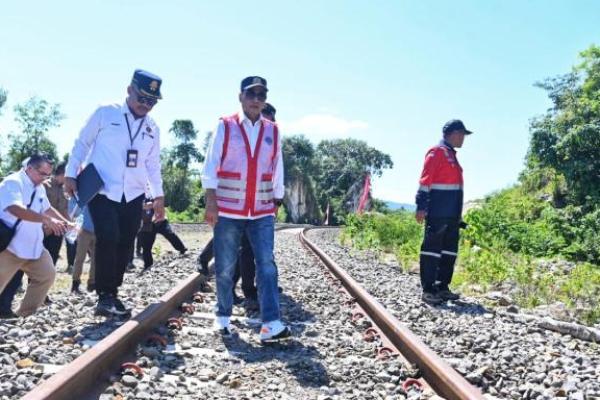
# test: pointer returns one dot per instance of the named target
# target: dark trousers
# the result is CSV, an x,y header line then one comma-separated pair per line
x,y
115,225
438,253
147,240
8,294
207,253
53,243
246,269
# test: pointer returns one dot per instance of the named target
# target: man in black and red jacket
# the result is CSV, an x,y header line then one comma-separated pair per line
x,y
439,204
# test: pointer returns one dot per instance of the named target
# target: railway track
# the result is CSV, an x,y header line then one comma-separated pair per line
x,y
346,345
142,346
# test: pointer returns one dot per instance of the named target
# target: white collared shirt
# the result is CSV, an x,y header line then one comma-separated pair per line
x,y
16,189
104,142
215,150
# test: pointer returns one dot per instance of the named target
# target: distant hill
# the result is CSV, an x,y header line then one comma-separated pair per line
x,y
398,206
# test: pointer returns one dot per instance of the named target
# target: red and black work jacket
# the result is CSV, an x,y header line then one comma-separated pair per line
x,y
440,191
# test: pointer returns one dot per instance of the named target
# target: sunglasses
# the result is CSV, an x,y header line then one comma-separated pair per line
x,y
258,95
149,101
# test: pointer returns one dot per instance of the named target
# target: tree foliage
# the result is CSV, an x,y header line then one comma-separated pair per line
x,y
184,153
341,165
299,157
35,117
181,189
567,137
3,96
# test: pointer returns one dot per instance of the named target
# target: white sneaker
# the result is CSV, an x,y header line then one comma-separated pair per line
x,y
222,326
274,331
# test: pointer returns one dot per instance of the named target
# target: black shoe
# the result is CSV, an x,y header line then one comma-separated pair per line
x,y
203,269
121,310
8,315
105,306
431,298
91,287
147,267
47,301
237,300
182,252
69,269
130,267
75,287
446,294
109,305
251,305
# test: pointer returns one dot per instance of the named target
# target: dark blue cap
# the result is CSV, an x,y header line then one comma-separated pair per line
x,y
147,83
455,125
253,81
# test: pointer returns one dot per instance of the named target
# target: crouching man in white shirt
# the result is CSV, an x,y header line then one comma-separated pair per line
x,y
23,203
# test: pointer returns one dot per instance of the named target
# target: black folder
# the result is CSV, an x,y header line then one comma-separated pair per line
x,y
89,184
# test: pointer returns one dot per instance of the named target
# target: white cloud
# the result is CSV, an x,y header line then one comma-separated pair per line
x,y
322,125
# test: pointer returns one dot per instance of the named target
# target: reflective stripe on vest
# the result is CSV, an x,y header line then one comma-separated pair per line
x,y
441,186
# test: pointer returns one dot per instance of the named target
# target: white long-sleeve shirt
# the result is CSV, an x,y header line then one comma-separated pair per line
x,y
215,151
105,140
16,189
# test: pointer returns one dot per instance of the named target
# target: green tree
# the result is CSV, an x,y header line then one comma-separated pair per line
x,y
35,117
2,99
184,152
299,157
300,202
342,163
567,137
182,187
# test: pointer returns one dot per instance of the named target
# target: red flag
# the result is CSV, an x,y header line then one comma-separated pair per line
x,y
365,194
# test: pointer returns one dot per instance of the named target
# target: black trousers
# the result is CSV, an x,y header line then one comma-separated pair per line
x,y
438,253
245,268
115,226
8,294
147,240
53,243
207,253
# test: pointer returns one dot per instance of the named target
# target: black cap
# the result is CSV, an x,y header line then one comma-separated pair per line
x,y
253,81
147,83
455,125
269,109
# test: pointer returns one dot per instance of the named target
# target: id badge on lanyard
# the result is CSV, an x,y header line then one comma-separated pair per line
x,y
132,154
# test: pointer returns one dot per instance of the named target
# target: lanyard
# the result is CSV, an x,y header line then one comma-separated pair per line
x,y
129,128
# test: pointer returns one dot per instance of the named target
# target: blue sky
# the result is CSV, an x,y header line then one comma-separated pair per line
x,y
387,72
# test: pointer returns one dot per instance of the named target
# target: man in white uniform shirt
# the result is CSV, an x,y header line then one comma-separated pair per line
x,y
23,203
123,143
243,178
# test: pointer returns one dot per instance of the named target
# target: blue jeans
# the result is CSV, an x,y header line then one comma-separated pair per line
x,y
260,232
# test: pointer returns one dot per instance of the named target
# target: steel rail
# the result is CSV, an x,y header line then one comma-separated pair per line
x,y
439,375
78,378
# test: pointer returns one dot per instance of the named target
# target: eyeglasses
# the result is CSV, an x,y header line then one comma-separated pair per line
x,y
149,101
258,95
43,174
